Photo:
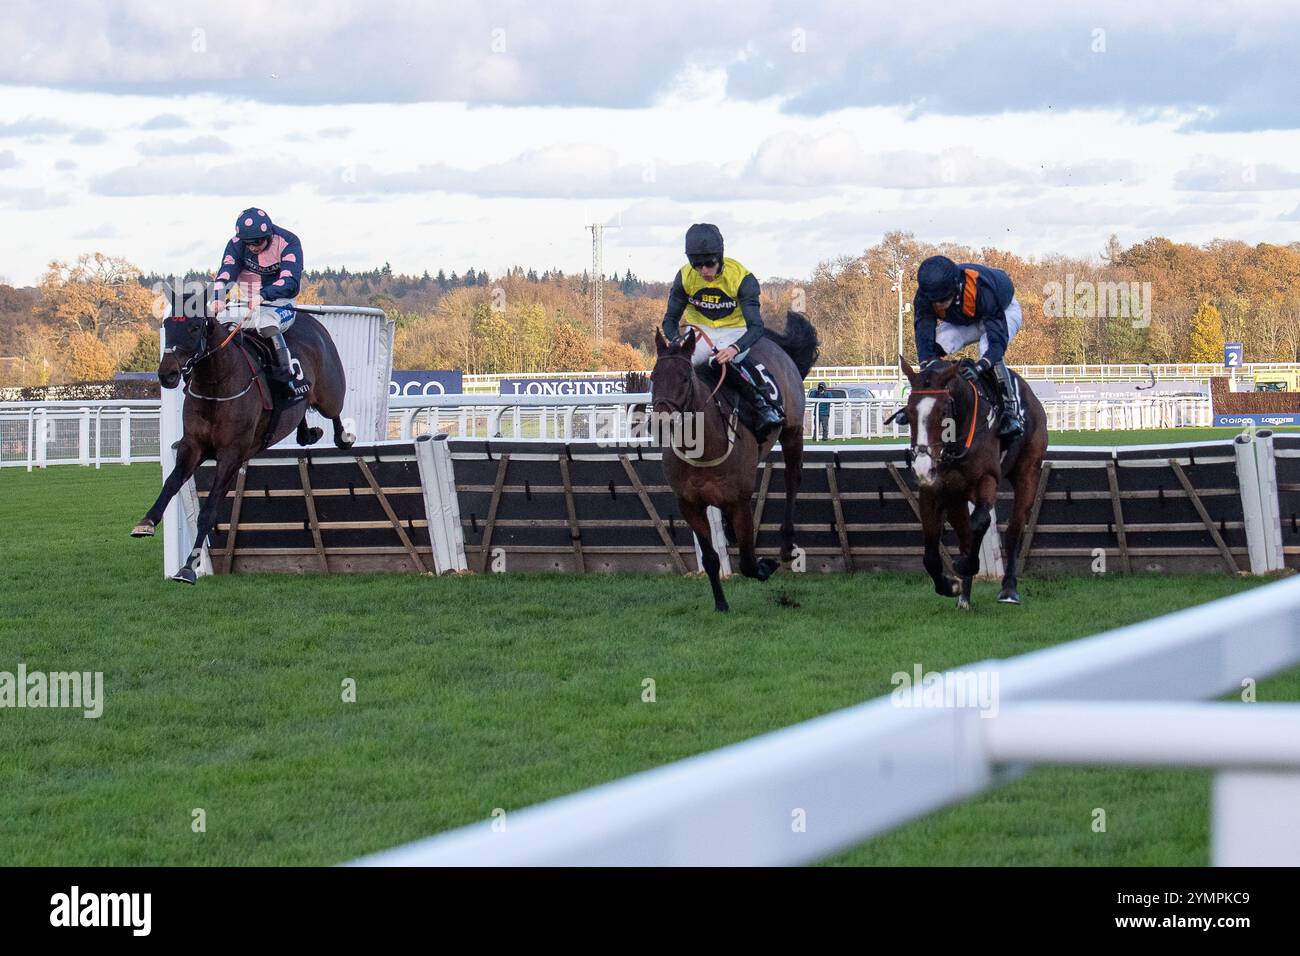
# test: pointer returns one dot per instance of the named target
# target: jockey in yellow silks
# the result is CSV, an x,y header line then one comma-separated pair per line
x,y
720,298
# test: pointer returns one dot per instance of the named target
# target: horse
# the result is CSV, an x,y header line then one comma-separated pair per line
x,y
958,458
229,413
721,469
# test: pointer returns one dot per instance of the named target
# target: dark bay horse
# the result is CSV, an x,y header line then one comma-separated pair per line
x,y
229,414
721,468
957,458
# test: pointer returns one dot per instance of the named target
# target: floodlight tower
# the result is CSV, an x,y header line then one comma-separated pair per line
x,y
598,280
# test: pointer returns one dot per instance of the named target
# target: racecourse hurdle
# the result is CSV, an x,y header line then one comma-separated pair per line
x,y
440,504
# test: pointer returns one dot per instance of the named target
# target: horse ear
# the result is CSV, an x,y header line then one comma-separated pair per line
x,y
688,340
907,370
661,343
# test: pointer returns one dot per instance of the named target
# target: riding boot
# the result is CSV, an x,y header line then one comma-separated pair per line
x,y
1013,422
295,385
767,415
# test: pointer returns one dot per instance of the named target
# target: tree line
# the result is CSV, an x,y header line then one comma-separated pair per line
x,y
1157,301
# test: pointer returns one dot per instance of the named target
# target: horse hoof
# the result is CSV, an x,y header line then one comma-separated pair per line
x,y
185,576
143,530
766,568
313,436
963,604
722,608
1009,596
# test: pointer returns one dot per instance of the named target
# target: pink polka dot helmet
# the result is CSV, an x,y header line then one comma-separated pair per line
x,y
253,223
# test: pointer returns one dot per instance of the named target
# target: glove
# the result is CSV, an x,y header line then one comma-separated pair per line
x,y
984,366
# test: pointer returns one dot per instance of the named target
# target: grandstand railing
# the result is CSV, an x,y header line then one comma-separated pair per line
x,y
1128,697
35,435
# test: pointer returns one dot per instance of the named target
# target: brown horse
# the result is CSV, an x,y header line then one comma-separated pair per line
x,y
721,467
957,458
229,414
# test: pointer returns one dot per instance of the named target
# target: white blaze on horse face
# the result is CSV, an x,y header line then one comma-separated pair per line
x,y
922,463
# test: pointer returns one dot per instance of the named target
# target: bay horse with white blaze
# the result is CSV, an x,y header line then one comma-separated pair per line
x,y
958,459
229,411
722,468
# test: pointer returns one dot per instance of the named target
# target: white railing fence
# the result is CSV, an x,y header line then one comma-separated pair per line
x,y
93,433
849,374
1128,697
34,435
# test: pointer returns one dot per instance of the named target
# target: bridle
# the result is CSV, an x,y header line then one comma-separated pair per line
x,y
946,454
201,354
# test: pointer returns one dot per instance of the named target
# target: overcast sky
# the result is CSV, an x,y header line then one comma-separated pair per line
x,y
489,134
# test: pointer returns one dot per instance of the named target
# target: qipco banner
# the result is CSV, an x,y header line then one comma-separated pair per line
x,y
563,386
425,382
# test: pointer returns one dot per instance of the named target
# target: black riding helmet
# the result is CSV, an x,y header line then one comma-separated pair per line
x,y
703,242
937,278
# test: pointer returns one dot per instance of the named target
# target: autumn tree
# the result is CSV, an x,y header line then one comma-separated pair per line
x,y
1207,335
97,295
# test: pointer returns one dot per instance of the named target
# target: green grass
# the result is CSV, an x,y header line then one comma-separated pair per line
x,y
481,692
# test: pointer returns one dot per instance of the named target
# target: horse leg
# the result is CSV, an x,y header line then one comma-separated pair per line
x,y
968,564
309,436
1026,484
342,437
227,467
188,458
742,519
696,516
792,453
931,528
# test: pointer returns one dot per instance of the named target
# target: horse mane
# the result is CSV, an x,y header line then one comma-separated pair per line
x,y
799,341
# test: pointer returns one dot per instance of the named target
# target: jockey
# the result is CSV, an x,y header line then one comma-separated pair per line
x,y
720,298
265,262
974,303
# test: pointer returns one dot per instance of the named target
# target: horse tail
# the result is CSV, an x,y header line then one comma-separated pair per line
x,y
799,341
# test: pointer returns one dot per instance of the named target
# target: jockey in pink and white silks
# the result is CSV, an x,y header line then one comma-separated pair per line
x,y
265,262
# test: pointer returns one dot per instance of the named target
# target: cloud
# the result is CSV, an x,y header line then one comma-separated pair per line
x,y
32,126
1212,174
65,165
164,121
187,178
20,197
89,137
1227,67
8,160
190,147
103,231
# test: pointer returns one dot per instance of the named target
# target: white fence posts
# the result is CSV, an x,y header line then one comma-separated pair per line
x,y
441,506
1257,476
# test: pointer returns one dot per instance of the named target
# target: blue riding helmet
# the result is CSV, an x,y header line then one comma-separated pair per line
x,y
253,223
938,278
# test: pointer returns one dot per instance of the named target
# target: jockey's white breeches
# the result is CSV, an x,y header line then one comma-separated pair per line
x,y
270,317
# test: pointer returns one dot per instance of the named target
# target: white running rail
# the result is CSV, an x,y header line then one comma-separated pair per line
x,y
799,794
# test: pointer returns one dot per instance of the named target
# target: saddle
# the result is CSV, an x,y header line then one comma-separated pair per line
x,y
262,352
735,400
990,396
